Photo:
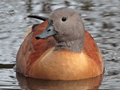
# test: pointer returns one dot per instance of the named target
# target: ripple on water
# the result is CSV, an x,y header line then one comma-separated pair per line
x,y
101,18
8,79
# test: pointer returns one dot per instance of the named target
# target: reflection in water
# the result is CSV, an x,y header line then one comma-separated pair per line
x,y
29,5
87,5
36,84
46,7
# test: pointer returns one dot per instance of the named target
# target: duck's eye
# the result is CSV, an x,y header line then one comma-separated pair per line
x,y
64,19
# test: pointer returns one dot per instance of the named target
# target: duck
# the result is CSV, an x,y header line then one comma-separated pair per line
x,y
59,49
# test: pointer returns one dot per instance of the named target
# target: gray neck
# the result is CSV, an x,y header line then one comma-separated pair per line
x,y
73,46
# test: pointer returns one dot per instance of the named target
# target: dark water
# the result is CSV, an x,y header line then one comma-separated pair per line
x,y
101,19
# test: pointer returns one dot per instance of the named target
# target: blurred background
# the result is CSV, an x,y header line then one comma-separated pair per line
x,y
101,18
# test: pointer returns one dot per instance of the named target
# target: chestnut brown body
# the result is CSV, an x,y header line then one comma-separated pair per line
x,y
37,59
55,60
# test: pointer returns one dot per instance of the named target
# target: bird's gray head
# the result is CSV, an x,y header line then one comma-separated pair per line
x,y
65,25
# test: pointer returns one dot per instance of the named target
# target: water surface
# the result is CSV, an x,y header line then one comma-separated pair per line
x,y
101,18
